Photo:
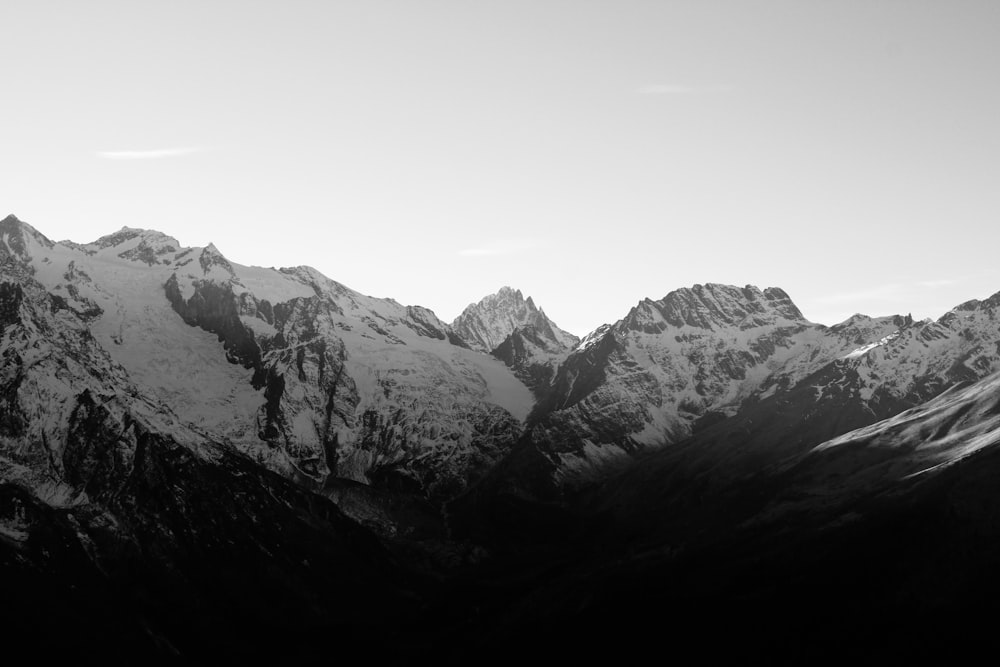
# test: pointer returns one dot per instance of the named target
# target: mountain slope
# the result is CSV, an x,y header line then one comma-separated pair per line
x,y
722,398
673,367
878,545
303,374
140,531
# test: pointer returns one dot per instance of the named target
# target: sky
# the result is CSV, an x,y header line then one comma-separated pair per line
x,y
589,153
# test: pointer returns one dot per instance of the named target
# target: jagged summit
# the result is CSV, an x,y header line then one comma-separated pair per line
x,y
12,223
126,234
977,304
16,237
488,323
712,306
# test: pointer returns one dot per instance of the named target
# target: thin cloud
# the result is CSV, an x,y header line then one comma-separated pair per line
x,y
497,248
872,294
945,282
155,154
676,89
888,291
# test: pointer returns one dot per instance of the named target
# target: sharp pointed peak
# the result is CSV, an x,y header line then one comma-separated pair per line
x,y
507,290
17,229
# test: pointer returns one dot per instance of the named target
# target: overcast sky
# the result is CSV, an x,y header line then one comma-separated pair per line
x,y
589,153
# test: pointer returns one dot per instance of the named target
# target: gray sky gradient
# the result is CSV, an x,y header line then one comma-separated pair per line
x,y
589,153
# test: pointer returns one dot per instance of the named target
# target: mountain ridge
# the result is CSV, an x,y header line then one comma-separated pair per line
x,y
335,382
168,416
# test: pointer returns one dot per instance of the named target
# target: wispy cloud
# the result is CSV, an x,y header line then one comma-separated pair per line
x,y
876,293
945,282
501,247
677,89
154,154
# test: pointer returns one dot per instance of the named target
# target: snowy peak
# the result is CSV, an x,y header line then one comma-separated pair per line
x,y
127,234
713,306
146,246
487,324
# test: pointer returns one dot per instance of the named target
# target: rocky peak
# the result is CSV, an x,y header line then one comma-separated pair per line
x,y
488,323
133,244
16,236
977,304
211,257
10,223
126,234
713,306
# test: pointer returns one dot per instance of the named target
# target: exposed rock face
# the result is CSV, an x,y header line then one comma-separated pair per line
x,y
532,356
214,307
487,324
518,333
713,307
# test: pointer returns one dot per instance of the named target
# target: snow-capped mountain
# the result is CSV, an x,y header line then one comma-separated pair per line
x,y
740,378
174,425
298,371
804,477
125,523
487,324
674,366
874,382
319,382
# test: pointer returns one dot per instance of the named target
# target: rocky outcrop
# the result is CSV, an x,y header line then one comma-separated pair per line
x,y
216,308
487,324
532,355
11,296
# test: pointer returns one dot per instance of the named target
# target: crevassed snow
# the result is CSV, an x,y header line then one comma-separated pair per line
x,y
184,366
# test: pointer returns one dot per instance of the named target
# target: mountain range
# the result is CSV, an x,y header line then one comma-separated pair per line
x,y
202,458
